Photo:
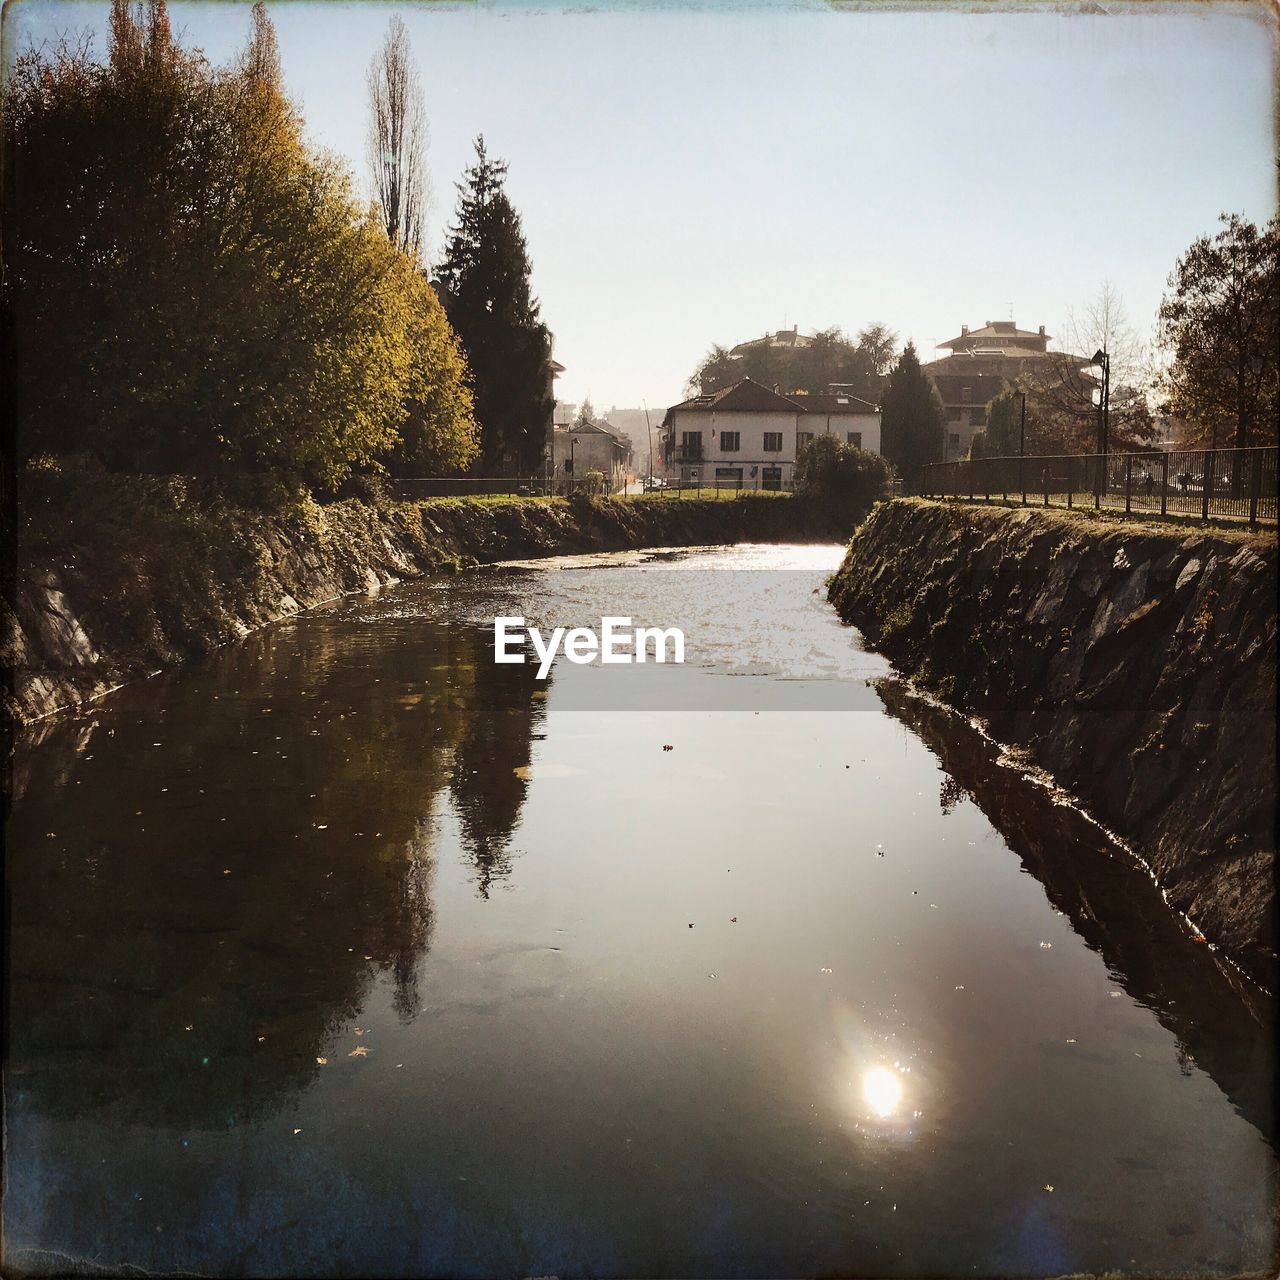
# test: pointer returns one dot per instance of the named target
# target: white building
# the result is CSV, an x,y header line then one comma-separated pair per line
x,y
748,435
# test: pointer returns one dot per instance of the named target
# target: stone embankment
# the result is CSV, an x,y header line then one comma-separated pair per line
x,y
1136,664
82,620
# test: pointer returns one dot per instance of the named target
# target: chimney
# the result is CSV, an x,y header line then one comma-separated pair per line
x,y
1042,331
964,329
795,328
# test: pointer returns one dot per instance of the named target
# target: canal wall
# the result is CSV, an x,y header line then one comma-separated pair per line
x,y
1132,662
97,608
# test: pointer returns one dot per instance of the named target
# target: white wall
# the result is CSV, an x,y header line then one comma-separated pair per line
x,y
751,428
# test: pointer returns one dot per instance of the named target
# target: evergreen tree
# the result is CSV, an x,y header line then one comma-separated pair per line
x,y
1002,435
910,418
484,285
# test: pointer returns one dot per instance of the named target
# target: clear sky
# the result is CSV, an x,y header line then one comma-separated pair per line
x,y
699,174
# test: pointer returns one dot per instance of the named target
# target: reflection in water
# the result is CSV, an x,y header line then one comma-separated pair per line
x,y
203,899
1222,1022
347,950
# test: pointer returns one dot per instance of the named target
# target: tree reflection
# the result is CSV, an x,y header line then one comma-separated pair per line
x,y
489,777
209,875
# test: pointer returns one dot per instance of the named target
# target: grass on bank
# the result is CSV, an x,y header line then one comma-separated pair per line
x,y
1109,519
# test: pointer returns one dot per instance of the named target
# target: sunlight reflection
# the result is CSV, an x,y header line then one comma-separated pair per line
x,y
882,1089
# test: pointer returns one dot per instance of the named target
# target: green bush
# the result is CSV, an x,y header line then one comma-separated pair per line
x,y
845,480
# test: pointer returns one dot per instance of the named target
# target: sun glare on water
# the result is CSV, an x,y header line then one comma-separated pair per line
x,y
882,1089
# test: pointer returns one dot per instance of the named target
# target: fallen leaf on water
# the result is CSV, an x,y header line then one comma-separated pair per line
x,y
1046,946
826,970
359,1030
358,1052
324,1062
261,1039
523,771
666,746
296,1132
733,919
1048,1186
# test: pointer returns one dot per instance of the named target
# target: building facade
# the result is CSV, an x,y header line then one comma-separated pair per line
x,y
982,363
748,435
583,447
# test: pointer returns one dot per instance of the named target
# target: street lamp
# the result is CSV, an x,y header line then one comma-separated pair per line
x,y
1100,357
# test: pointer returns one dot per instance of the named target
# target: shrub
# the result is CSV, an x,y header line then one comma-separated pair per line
x,y
845,480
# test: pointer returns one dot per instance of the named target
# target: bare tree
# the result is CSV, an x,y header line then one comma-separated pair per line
x,y
1064,391
397,143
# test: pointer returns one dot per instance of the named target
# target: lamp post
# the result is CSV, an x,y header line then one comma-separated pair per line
x,y
649,428
1022,448
1100,357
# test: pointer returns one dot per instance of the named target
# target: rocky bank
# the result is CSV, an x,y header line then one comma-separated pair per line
x,y
1134,663
92,610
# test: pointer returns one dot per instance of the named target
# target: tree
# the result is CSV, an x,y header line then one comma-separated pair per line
x,y
1001,438
910,418
1220,328
484,285
439,435
193,289
809,366
878,342
586,414
1064,391
397,142
845,480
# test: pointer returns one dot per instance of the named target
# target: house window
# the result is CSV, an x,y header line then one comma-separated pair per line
x,y
854,438
966,394
771,477
729,476
729,442
691,444
773,442
802,439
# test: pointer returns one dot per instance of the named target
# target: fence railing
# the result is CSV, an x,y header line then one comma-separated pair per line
x,y
1236,484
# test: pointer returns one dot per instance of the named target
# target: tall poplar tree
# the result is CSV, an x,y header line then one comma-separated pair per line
x,y
910,418
484,285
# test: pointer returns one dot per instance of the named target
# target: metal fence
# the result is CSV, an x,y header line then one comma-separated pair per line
x,y
1234,484
414,489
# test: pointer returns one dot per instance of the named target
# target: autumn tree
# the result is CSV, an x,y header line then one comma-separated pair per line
x,y
192,288
910,418
397,142
486,291
1219,326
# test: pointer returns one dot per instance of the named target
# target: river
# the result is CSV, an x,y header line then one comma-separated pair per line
x,y
346,951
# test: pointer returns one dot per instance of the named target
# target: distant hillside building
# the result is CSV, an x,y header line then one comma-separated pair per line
x,y
784,340
748,435
982,364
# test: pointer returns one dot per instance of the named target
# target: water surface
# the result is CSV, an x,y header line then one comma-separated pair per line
x,y
346,950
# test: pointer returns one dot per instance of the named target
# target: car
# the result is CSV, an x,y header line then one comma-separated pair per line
x,y
654,482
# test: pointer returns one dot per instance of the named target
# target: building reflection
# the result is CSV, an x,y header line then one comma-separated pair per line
x,y
1223,1024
